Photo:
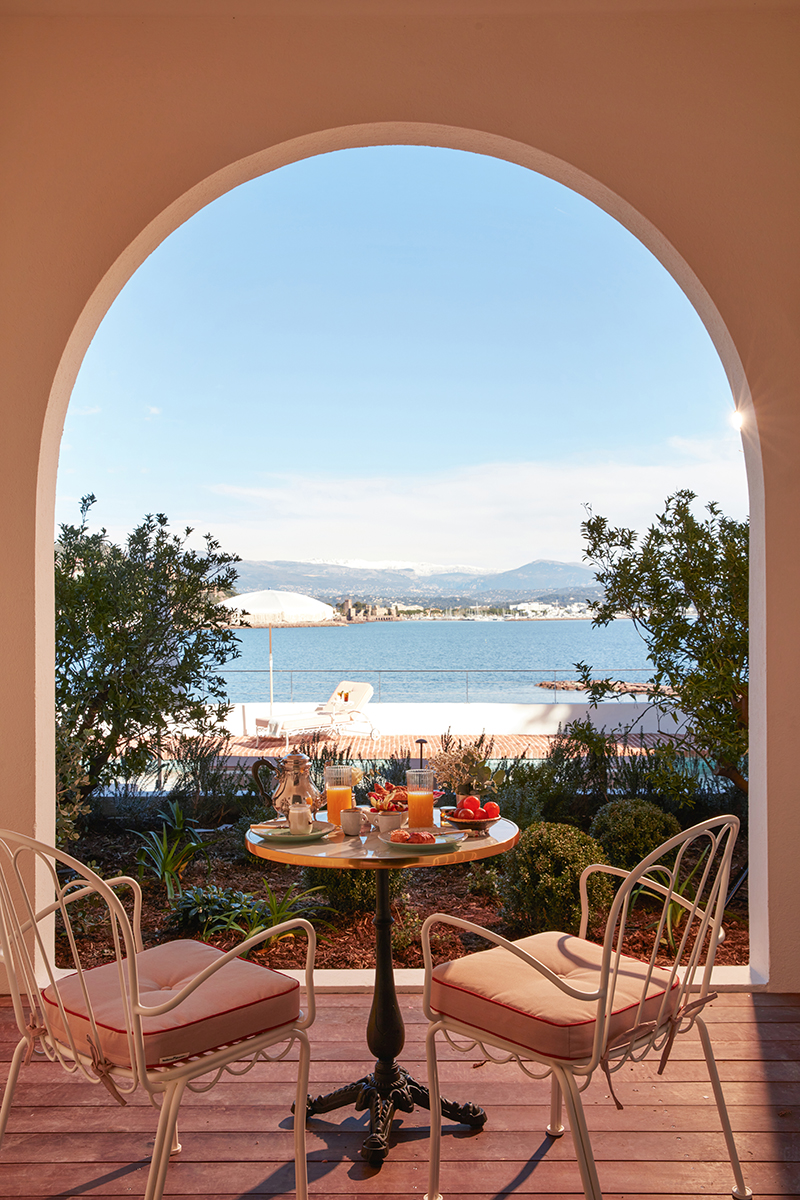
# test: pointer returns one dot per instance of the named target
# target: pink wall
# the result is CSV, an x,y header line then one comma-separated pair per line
x,y
681,119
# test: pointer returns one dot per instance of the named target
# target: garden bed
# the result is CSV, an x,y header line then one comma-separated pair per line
x,y
349,943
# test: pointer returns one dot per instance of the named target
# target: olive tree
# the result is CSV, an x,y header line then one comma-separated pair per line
x,y
684,584
140,641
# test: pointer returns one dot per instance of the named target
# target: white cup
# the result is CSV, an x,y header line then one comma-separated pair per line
x,y
299,818
351,821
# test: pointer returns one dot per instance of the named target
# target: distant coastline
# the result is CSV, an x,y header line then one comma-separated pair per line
x,y
405,621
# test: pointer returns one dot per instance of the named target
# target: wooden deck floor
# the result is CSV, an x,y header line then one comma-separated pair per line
x,y
69,1139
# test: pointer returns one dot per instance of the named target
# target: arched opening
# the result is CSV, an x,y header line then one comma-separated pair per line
x,y
457,139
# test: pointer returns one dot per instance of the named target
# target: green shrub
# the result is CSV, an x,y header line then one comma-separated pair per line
x,y
529,786
350,890
629,830
213,910
198,767
482,880
540,883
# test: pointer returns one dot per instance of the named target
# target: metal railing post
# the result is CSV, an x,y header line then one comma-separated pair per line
x,y
467,683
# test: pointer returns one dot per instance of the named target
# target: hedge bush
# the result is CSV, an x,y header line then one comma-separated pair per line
x,y
629,830
540,883
351,890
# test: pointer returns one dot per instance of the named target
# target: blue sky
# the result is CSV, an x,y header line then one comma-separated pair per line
x,y
399,353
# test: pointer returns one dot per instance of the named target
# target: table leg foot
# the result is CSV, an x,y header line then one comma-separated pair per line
x,y
463,1114
351,1093
376,1145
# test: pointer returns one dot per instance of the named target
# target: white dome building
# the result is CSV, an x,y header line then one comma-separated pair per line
x,y
271,607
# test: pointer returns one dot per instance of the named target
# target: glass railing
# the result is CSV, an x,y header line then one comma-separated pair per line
x,y
418,685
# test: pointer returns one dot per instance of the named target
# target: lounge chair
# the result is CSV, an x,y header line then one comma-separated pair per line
x,y
344,709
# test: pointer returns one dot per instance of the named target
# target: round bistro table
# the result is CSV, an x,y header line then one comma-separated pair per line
x,y
389,1087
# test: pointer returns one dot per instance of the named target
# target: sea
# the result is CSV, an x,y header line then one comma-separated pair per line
x,y
498,662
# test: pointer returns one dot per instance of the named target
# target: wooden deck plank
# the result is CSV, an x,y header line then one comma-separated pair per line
x,y
529,1119
67,1138
455,1071
409,1144
521,1178
69,1094
687,1049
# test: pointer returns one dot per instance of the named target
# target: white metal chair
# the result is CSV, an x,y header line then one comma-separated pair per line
x,y
561,1006
343,710
160,1018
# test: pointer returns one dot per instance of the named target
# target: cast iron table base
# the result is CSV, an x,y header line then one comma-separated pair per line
x,y
389,1088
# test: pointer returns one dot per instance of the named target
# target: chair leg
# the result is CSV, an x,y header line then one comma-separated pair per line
x,y
301,1100
176,1144
11,1083
580,1133
165,1135
555,1128
740,1191
435,1151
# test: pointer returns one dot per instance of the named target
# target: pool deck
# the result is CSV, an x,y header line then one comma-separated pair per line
x,y
517,730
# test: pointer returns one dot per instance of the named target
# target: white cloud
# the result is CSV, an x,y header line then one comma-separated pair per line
x,y
501,514
152,411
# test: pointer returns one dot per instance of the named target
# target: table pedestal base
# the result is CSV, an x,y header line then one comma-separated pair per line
x,y
389,1089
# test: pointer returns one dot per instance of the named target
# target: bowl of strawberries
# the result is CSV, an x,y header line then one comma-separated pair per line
x,y
470,813
389,807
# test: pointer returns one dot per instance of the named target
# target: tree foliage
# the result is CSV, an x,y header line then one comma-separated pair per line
x,y
140,640
685,586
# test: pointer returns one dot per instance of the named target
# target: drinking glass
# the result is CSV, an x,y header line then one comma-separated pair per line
x,y
338,791
420,798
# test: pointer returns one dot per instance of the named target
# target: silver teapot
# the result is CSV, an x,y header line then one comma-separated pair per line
x,y
294,784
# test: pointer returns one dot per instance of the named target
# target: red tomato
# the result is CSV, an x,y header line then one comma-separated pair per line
x,y
491,809
470,802
481,814
463,814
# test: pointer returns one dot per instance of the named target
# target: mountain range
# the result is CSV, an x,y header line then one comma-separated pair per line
x,y
540,579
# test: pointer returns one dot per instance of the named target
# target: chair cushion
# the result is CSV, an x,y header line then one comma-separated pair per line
x,y
496,992
240,1000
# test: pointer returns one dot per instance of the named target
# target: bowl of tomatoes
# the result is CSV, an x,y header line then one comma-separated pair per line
x,y
470,813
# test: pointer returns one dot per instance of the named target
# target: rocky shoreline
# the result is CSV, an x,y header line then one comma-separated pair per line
x,y
620,686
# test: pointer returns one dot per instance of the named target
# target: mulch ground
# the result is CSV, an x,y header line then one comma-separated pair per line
x,y
347,941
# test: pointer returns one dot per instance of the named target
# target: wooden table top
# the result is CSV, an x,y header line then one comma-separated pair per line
x,y
371,854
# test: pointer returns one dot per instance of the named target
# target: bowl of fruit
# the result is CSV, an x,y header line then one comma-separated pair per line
x,y
389,807
470,813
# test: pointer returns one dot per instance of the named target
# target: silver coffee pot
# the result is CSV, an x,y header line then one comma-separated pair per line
x,y
294,784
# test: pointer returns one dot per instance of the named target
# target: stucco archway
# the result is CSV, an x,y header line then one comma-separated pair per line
x,y
231,176
120,126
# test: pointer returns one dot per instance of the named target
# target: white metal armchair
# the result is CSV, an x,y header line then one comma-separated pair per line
x,y
160,1018
561,1006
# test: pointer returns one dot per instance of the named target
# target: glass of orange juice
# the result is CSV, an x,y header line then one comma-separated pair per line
x,y
420,799
338,791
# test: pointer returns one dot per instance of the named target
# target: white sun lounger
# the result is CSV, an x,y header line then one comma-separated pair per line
x,y
344,710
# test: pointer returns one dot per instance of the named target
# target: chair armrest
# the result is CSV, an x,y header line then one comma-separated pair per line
x,y
645,881
243,947
584,891
82,889
134,885
497,940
